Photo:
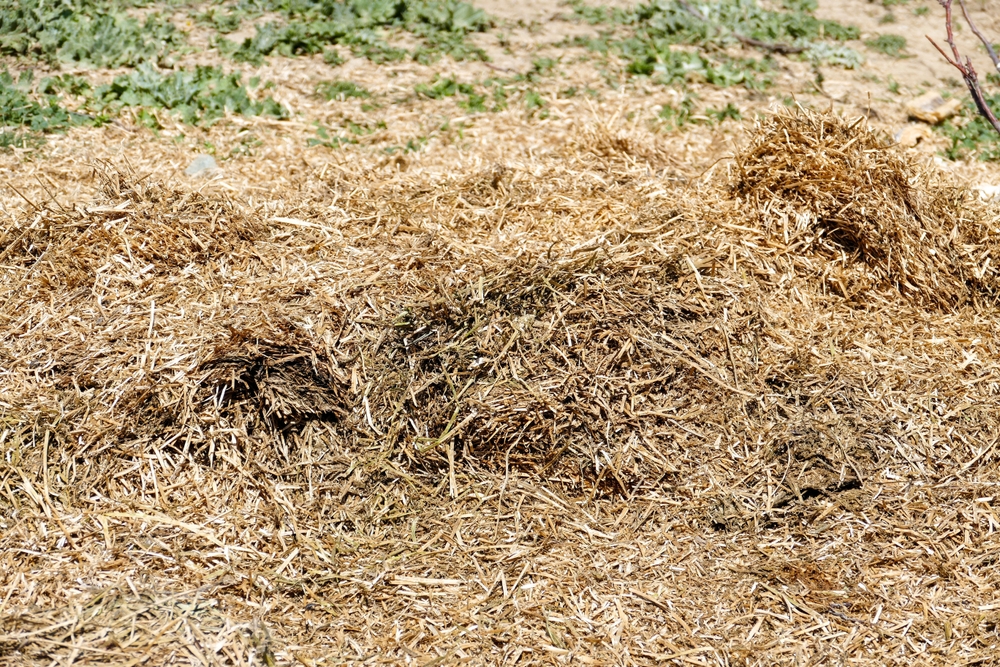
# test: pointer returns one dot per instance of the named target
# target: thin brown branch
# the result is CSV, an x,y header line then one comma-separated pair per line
x,y
986,42
968,71
777,47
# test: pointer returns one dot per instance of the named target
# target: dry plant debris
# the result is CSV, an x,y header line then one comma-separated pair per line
x,y
843,186
575,403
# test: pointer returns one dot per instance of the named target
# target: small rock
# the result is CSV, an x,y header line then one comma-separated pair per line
x,y
932,108
912,134
202,165
987,191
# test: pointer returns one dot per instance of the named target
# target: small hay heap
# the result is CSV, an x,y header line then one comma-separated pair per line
x,y
843,187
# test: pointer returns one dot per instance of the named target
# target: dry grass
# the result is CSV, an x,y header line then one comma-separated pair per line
x,y
841,185
560,398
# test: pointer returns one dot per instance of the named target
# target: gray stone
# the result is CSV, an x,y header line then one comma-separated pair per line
x,y
202,165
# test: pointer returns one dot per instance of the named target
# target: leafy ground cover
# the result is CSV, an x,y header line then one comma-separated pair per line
x,y
340,90
669,41
971,135
890,45
201,95
649,35
25,118
99,33
308,26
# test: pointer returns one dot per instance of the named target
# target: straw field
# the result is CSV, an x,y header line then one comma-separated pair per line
x,y
546,384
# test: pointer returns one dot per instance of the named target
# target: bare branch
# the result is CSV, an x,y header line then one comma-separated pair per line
x,y
986,42
968,71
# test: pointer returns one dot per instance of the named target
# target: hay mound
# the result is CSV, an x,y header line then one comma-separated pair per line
x,y
499,400
134,233
843,189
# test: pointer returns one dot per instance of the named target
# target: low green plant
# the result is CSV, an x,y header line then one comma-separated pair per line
x,y
198,96
354,131
332,57
64,83
412,146
222,21
93,32
308,26
325,138
600,15
971,134
686,66
730,111
535,103
25,118
675,41
890,45
442,87
823,53
466,94
341,90
364,128
676,117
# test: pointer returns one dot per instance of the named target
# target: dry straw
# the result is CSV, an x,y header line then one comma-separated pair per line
x,y
570,404
843,186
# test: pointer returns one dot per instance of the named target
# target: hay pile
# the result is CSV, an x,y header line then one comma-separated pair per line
x,y
556,405
826,183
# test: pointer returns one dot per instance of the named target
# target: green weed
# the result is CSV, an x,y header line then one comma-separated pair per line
x,y
441,88
730,111
199,96
601,15
535,103
341,90
823,53
364,25
64,83
675,118
324,138
332,57
24,119
93,32
890,45
649,35
971,134
467,96
412,146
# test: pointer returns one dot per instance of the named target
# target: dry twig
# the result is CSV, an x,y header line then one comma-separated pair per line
x,y
968,71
